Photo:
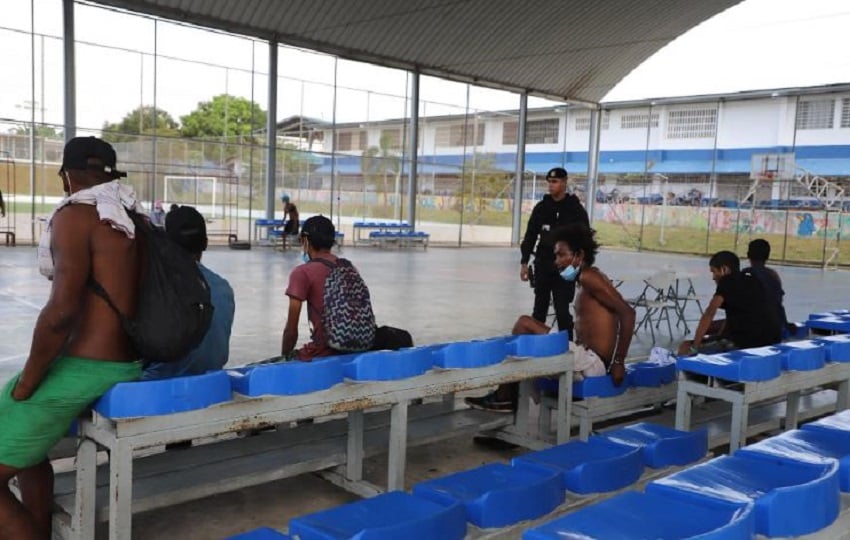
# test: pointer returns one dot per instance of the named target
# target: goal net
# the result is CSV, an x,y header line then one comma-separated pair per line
x,y
203,192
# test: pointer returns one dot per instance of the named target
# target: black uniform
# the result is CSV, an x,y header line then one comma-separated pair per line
x,y
547,215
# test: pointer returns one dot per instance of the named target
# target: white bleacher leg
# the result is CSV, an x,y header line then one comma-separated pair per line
x,y
585,424
843,400
738,429
683,408
565,404
83,520
792,410
398,446
544,419
354,447
522,408
120,492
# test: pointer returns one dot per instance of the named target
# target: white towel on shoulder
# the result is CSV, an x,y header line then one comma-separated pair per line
x,y
112,200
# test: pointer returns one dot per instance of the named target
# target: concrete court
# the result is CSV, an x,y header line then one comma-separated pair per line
x,y
442,294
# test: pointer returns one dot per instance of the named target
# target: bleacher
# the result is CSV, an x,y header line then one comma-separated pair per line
x,y
388,234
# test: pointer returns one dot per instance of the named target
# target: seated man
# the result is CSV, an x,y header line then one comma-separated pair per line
x,y
307,284
751,320
187,227
758,252
604,321
290,216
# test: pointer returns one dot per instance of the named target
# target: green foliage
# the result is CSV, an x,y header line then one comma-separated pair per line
x,y
48,132
140,121
481,181
379,163
223,116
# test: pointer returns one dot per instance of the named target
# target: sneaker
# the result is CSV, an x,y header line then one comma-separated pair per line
x,y
491,403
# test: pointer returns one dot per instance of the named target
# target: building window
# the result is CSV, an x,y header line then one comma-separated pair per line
x,y
638,121
845,113
815,113
536,131
347,141
692,123
583,121
454,135
392,137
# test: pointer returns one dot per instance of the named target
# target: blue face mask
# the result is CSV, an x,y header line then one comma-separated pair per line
x,y
304,257
569,273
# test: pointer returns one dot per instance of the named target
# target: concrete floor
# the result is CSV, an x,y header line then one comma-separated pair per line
x,y
440,295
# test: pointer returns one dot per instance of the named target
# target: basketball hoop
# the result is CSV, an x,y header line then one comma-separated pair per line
x,y
767,176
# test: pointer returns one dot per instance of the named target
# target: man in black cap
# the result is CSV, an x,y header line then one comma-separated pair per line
x,y
187,227
79,348
557,208
307,284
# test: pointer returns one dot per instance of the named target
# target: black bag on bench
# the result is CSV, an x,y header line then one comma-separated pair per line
x,y
388,338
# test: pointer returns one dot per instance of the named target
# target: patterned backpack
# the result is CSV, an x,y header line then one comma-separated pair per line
x,y
347,315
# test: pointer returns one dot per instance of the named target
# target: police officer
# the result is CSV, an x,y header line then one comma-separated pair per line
x,y
556,208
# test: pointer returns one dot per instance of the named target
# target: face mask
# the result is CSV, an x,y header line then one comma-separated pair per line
x,y
304,257
569,273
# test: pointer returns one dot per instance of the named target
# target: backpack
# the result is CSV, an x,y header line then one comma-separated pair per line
x,y
347,316
388,338
174,310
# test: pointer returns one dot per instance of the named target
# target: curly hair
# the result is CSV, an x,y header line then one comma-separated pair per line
x,y
579,237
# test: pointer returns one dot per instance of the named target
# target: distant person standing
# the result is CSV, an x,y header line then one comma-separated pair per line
x,y
556,209
290,216
2,205
158,215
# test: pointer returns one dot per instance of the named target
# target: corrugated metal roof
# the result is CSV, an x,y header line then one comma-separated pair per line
x,y
562,49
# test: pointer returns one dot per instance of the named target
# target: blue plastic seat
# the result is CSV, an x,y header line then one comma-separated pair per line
x,y
837,347
497,495
166,396
591,466
472,354
602,386
651,516
263,533
782,490
836,422
811,445
389,365
733,366
662,446
288,378
651,374
386,517
539,345
802,355
837,321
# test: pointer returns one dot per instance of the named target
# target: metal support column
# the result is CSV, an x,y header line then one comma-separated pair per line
x,y
70,127
516,222
593,161
271,132
412,181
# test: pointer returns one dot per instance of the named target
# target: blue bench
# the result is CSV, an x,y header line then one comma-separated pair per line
x,y
399,238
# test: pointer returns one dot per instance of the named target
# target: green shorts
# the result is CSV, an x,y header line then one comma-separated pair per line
x,y
30,428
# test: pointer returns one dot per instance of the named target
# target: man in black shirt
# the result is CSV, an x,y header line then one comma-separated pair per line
x,y
557,208
758,251
751,320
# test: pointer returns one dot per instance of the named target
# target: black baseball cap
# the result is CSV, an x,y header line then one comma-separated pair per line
x,y
557,172
188,228
90,153
319,227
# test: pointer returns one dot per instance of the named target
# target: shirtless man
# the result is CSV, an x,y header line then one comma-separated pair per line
x,y
79,349
604,321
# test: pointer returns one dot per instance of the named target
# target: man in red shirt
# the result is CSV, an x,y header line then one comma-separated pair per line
x,y
307,284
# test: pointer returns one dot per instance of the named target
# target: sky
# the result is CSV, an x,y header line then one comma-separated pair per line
x,y
758,44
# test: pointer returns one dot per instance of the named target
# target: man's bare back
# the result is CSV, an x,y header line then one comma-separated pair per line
x,y
98,334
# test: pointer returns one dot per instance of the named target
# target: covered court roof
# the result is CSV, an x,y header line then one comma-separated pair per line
x,y
572,50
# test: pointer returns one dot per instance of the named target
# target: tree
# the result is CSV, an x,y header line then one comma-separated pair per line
x,y
378,162
48,132
480,183
140,121
223,116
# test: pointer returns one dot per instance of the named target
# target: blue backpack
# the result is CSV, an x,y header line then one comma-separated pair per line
x,y
347,315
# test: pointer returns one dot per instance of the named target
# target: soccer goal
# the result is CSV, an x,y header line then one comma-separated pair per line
x,y
203,192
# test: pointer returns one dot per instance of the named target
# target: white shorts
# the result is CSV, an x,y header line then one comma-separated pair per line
x,y
586,363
